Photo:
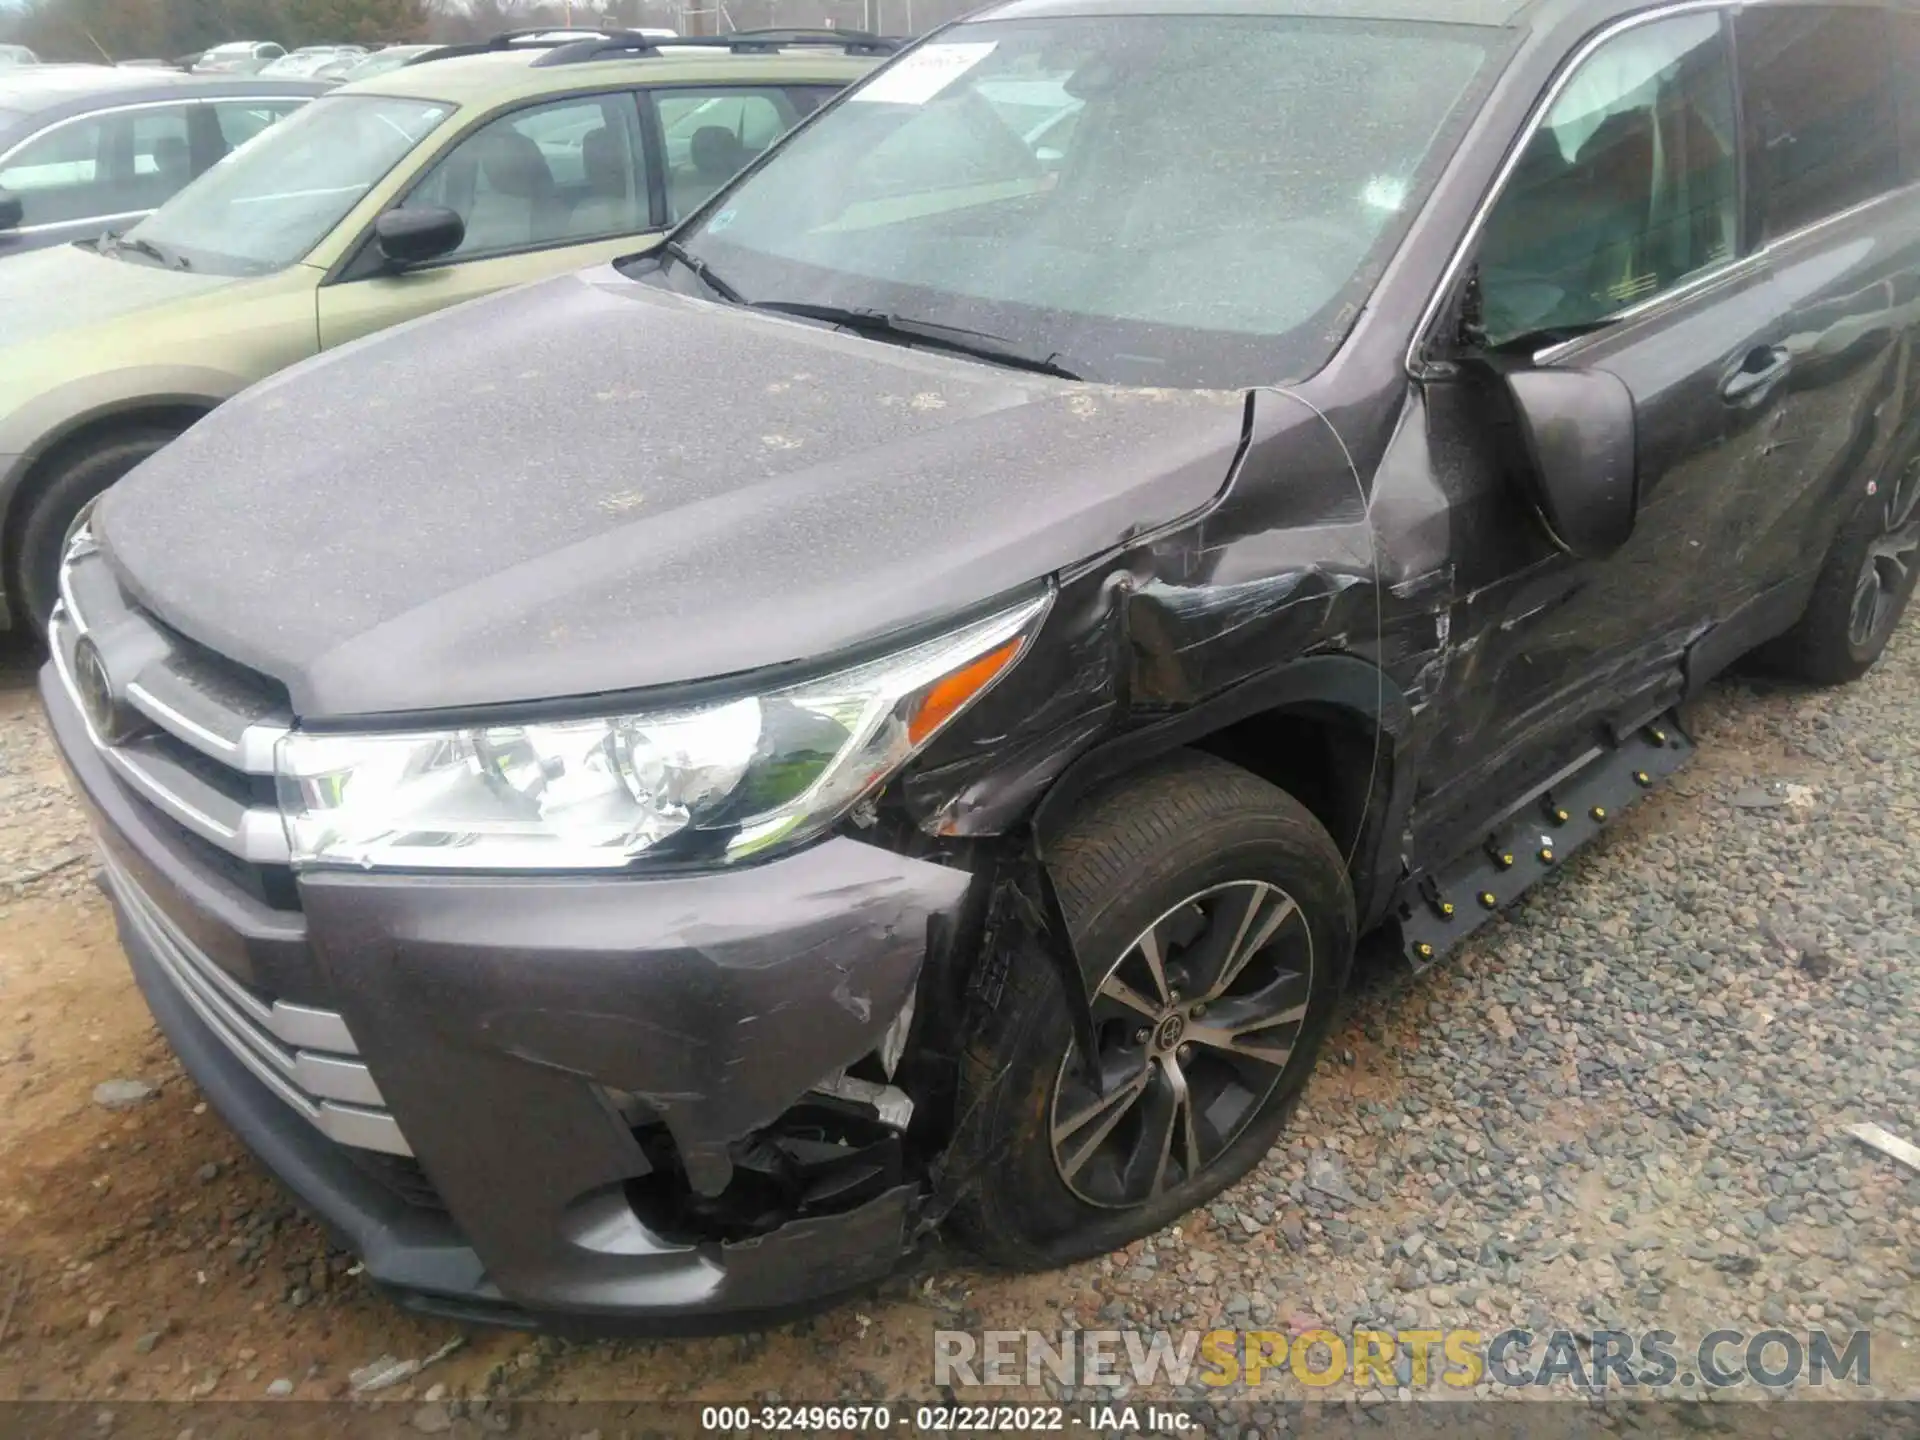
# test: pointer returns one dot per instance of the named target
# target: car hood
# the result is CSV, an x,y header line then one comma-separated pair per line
x,y
594,485
65,287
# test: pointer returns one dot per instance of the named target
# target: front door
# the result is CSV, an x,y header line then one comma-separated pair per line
x,y
542,190
1616,245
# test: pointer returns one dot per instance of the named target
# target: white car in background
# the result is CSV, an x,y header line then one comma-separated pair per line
x,y
309,60
348,68
238,57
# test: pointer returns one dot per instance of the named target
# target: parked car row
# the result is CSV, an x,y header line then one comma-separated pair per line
x,y
884,693
334,62
313,221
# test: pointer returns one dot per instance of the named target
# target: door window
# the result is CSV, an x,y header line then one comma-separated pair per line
x,y
59,175
162,154
808,98
115,164
1821,110
549,175
1628,188
711,135
240,121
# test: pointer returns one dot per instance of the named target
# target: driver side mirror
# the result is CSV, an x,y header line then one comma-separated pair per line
x,y
415,234
1578,444
12,210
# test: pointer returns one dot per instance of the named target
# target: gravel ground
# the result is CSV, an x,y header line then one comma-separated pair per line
x,y
1619,1105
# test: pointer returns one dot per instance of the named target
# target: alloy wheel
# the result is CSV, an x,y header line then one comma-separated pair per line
x,y
1194,1024
1891,557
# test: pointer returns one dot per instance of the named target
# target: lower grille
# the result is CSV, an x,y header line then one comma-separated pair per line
x,y
402,1175
305,1055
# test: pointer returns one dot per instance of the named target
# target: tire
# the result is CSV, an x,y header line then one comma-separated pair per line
x,y
1195,826
1861,592
54,500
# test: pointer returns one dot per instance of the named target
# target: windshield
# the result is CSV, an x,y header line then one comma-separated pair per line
x,y
1161,200
271,201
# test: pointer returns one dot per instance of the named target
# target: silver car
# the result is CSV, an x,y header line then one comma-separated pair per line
x,y
239,57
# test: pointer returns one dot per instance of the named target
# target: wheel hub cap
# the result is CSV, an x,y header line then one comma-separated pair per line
x,y
1167,1037
1194,1025
1885,577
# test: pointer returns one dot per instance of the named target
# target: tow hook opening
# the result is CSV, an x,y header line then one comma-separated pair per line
x,y
825,1156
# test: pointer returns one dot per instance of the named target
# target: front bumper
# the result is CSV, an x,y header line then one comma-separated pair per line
x,y
493,1022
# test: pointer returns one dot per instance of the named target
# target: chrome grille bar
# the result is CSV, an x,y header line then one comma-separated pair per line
x,y
335,1093
195,703
252,832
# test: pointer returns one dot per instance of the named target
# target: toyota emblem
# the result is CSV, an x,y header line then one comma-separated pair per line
x,y
112,721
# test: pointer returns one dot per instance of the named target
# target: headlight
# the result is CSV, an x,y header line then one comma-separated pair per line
x,y
707,784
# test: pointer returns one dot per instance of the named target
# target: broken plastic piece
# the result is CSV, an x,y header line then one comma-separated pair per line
x,y
890,1105
1887,1143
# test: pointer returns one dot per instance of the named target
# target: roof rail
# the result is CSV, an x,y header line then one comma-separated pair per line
x,y
544,37
612,45
857,42
633,43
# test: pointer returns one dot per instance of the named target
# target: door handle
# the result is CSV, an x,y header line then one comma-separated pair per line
x,y
1758,373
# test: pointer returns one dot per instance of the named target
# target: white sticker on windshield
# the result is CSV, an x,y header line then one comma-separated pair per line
x,y
915,79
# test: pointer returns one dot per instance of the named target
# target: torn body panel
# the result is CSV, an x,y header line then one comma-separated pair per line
x,y
513,1011
1204,626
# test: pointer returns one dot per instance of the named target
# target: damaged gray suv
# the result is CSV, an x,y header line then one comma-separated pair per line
x,y
643,796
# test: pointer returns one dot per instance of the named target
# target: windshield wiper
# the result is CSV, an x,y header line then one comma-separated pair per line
x,y
143,246
703,272
975,343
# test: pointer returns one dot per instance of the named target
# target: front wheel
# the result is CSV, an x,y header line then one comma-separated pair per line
x,y
1215,925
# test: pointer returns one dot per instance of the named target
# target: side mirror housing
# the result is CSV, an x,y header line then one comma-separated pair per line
x,y
1578,442
12,210
415,234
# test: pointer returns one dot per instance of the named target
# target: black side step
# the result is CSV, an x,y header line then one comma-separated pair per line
x,y
1438,910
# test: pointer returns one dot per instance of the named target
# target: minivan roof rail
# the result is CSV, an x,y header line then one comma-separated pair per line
x,y
634,43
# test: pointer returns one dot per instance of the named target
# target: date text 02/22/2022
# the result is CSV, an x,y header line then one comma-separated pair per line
x,y
950,1419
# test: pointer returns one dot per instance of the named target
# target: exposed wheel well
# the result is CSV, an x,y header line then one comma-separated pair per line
x,y
175,415
1325,757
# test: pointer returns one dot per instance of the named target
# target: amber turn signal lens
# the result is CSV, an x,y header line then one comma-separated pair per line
x,y
948,695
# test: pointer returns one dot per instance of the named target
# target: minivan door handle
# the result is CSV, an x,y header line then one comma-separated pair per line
x,y
1758,373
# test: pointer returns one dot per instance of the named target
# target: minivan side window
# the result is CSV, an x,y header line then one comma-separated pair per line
x,y
1629,187
1822,118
